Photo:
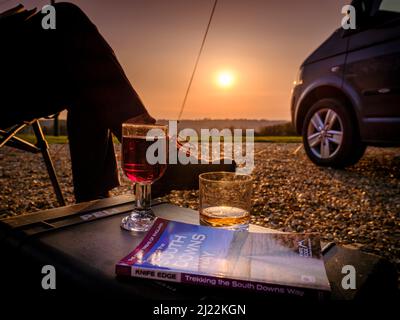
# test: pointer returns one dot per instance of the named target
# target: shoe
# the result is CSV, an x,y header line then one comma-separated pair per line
x,y
186,177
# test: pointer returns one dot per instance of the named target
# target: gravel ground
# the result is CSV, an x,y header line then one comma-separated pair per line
x,y
359,206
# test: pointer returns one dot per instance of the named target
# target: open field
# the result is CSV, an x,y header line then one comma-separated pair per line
x,y
358,206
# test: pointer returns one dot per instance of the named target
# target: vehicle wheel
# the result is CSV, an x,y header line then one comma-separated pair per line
x,y
331,136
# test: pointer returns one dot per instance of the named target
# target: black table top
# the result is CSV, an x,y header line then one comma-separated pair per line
x,y
84,242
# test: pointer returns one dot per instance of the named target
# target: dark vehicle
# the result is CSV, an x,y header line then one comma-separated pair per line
x,y
347,94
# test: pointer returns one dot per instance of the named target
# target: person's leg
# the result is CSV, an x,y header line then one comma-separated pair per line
x,y
94,165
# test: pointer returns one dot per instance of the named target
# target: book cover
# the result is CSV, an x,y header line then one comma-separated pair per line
x,y
277,263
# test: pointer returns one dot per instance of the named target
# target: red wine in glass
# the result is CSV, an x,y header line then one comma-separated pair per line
x,y
134,162
136,141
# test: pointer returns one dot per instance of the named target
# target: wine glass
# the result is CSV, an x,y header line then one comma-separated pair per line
x,y
144,160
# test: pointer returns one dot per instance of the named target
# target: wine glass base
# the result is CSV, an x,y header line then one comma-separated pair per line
x,y
138,221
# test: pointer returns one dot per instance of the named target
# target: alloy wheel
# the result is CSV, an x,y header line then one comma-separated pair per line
x,y
325,133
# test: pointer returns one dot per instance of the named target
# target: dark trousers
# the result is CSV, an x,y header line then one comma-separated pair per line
x,y
72,67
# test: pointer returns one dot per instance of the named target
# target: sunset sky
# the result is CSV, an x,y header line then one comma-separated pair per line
x,y
249,62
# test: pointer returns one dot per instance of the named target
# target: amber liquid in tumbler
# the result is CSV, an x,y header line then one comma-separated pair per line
x,y
134,162
224,216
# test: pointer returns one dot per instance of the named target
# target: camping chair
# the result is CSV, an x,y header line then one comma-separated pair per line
x,y
9,138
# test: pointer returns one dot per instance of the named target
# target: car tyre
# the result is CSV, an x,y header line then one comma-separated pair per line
x,y
330,134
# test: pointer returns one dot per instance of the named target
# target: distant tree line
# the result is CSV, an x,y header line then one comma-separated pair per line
x,y
48,127
283,129
279,129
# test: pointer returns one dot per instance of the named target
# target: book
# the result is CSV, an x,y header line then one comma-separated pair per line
x,y
288,264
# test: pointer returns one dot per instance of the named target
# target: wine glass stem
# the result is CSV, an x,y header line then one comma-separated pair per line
x,y
142,194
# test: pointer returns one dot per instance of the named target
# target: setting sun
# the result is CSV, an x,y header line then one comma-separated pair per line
x,y
225,79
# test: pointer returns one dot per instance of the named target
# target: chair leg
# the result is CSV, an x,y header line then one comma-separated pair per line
x,y
7,136
44,147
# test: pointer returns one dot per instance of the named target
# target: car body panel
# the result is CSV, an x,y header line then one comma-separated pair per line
x,y
335,45
373,71
365,66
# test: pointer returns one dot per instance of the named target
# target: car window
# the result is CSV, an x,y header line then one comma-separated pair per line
x,y
390,6
386,11
363,7
363,10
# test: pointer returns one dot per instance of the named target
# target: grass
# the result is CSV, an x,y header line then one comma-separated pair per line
x,y
50,139
278,139
268,139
